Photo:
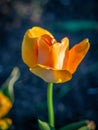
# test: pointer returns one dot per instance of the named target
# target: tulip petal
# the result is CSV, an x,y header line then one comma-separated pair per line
x,y
61,50
51,75
37,32
75,55
48,39
5,105
52,56
29,50
29,45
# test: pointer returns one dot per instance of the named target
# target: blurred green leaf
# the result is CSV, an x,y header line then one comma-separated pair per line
x,y
84,128
7,87
74,126
75,25
63,91
44,126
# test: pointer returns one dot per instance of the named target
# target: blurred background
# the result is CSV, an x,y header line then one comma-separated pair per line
x,y
75,100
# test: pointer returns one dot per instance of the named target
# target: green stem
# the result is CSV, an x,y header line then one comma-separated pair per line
x,y
50,104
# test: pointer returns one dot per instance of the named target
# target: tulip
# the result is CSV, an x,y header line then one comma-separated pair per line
x,y
52,61
5,105
5,123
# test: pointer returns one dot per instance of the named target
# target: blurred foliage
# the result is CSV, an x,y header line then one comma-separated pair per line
x,y
44,126
82,125
7,99
8,86
63,91
75,126
74,26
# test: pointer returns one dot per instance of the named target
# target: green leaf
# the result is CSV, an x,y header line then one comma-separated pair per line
x,y
75,25
74,126
63,91
44,126
84,128
7,87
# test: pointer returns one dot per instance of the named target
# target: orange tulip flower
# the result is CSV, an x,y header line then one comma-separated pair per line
x,y
5,123
50,60
5,105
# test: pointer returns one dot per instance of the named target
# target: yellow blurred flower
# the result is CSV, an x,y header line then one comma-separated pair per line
x,y
5,105
5,123
50,60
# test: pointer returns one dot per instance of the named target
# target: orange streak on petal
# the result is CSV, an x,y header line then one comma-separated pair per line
x,y
47,39
76,55
44,53
51,75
